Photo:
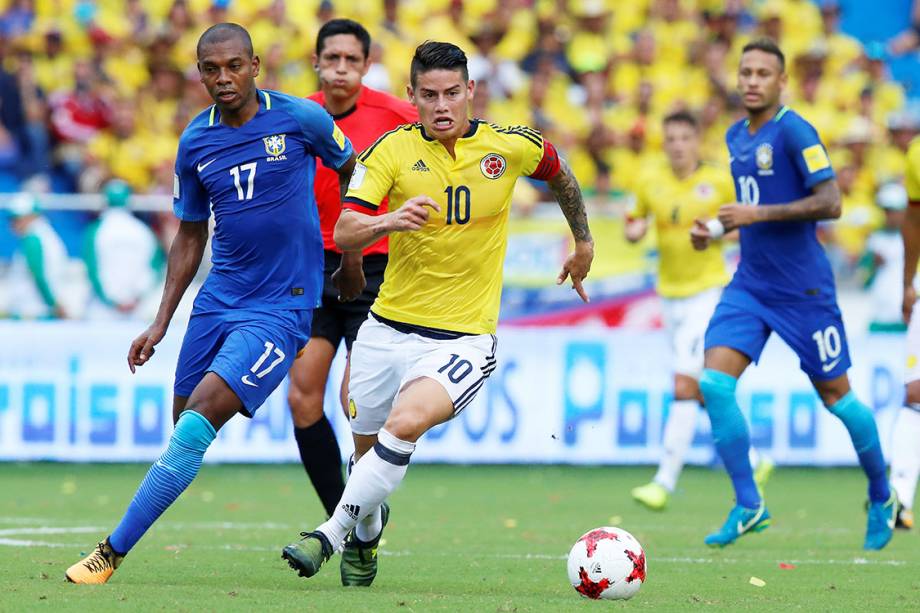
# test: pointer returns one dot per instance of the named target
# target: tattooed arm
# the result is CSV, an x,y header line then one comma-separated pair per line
x,y
565,188
823,203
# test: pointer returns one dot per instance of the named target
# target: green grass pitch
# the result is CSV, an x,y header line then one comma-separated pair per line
x,y
462,538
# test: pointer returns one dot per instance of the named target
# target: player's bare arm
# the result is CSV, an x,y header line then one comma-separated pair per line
x,y
568,194
349,278
823,203
355,231
184,259
910,231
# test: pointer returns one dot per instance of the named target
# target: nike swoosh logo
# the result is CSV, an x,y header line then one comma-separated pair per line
x,y
205,165
742,528
245,379
829,367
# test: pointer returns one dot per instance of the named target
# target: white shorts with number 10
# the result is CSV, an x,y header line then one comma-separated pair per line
x,y
384,360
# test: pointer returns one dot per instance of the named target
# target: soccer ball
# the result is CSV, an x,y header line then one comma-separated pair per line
x,y
607,563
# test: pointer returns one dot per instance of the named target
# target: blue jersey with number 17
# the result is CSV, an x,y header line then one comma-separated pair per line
x,y
781,162
267,250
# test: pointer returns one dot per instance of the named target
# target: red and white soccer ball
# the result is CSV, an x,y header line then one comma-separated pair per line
x,y
607,563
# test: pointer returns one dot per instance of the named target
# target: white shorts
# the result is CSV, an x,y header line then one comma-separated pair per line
x,y
384,360
686,320
912,368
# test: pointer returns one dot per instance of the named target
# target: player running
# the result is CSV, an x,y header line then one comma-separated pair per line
x,y
363,114
689,282
905,444
250,158
784,284
429,343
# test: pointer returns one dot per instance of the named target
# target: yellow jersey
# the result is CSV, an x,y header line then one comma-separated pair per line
x,y
448,274
675,204
912,171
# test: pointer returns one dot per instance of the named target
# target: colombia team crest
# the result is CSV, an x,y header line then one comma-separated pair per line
x,y
274,144
493,165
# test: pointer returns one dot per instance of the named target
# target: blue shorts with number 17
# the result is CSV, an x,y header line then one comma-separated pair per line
x,y
251,351
814,331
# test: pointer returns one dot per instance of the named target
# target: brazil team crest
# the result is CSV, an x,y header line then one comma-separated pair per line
x,y
274,144
764,158
493,165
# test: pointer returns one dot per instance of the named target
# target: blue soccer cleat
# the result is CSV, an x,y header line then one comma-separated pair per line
x,y
740,521
880,526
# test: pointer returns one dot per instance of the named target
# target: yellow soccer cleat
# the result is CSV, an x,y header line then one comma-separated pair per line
x,y
653,495
905,520
97,567
763,471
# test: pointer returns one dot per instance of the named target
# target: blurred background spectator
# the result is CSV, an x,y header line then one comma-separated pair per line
x,y
96,91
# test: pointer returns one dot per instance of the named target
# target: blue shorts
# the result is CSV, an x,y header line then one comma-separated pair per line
x,y
814,331
251,351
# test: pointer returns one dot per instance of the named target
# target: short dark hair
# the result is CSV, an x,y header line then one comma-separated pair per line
x,y
431,55
767,45
685,117
334,27
222,32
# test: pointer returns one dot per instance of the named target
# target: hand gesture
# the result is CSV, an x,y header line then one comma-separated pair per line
x,y
142,348
350,282
412,215
700,235
577,266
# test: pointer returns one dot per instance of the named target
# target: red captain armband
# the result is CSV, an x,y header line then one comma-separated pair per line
x,y
549,165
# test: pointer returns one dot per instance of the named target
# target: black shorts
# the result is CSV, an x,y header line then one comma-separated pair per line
x,y
336,320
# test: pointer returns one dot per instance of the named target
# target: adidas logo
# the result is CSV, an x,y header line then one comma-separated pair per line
x,y
420,166
352,510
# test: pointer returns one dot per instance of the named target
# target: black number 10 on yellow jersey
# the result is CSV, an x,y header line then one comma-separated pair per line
x,y
458,204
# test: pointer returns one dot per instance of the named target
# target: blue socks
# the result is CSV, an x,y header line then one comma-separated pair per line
x,y
860,424
730,434
166,479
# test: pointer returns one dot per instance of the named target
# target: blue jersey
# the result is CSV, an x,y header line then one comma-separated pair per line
x,y
267,250
781,162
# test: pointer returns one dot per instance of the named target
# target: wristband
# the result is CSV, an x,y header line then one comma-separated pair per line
x,y
715,227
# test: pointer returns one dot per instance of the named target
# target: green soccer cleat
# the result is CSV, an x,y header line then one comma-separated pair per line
x,y
359,558
741,520
881,521
763,471
309,554
653,495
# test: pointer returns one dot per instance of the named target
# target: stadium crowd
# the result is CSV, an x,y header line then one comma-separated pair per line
x,y
96,90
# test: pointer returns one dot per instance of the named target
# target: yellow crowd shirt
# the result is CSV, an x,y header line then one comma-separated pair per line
x,y
675,204
448,274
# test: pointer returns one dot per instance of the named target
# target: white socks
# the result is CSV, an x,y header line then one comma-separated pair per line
x,y
374,477
678,435
905,455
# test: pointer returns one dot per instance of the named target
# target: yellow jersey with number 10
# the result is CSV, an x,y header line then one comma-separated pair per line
x,y
675,204
448,274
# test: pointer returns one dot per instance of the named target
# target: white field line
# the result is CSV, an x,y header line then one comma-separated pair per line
x,y
10,542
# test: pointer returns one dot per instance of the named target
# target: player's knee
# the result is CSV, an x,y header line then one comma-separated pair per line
x,y
913,393
717,389
686,388
406,425
306,406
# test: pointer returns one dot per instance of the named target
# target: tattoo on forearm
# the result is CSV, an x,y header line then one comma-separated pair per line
x,y
823,204
568,194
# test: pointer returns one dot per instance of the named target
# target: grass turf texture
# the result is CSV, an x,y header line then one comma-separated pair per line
x,y
460,539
